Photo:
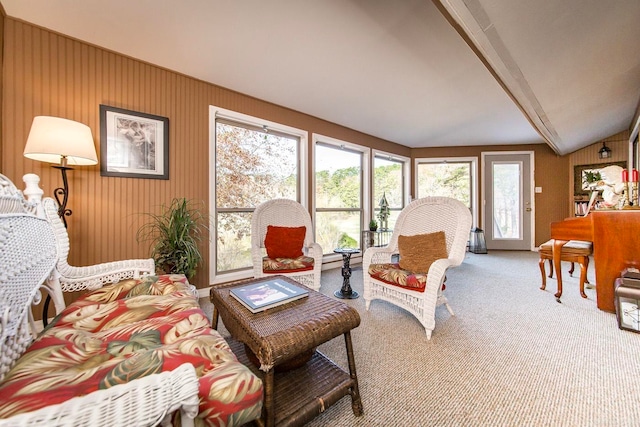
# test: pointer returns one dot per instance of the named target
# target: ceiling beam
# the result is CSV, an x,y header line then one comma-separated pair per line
x,y
470,20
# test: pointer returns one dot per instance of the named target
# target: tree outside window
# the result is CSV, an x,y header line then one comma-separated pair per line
x,y
253,165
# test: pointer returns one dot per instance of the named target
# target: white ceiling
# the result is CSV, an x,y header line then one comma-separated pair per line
x,y
397,69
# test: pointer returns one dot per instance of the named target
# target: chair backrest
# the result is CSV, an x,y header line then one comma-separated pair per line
x,y
28,257
431,214
282,213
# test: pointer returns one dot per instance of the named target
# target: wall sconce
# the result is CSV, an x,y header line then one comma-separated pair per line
x,y
61,141
605,152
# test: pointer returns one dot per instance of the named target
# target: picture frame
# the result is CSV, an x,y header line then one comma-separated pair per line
x,y
584,175
133,144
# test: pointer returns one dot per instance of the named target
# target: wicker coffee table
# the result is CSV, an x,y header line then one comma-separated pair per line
x,y
285,334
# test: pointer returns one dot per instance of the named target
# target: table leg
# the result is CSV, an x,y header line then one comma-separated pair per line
x,y
346,292
557,252
356,401
214,318
268,409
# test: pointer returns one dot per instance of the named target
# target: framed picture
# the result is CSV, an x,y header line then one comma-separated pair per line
x,y
586,175
133,144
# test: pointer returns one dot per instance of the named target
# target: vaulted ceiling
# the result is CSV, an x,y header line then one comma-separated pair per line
x,y
421,73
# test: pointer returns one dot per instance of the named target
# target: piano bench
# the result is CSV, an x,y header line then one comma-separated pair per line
x,y
573,251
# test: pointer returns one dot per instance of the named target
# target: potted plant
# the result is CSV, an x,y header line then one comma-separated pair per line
x,y
174,234
373,225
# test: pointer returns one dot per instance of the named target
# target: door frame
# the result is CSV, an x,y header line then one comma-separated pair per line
x,y
483,192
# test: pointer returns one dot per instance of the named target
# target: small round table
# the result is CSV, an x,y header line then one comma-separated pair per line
x,y
346,292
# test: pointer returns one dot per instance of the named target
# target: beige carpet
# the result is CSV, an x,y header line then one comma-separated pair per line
x,y
512,356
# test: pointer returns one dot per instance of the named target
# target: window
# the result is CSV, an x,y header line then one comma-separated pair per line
x,y
454,177
339,188
253,163
389,181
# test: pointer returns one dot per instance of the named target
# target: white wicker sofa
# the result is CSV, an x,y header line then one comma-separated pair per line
x,y
138,352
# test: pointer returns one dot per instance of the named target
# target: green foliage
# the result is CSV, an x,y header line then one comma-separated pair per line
x,y
590,176
174,234
347,242
373,225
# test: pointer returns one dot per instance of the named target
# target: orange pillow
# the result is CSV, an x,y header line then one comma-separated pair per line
x,y
284,242
418,252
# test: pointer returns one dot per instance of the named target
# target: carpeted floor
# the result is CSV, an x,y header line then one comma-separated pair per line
x,y
512,356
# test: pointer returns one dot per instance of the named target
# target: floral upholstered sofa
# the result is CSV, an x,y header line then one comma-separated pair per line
x,y
137,352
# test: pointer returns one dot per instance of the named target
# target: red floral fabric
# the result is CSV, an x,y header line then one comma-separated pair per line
x,y
392,274
128,330
287,265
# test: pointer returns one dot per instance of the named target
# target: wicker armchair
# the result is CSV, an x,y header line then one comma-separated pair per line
x,y
285,213
427,215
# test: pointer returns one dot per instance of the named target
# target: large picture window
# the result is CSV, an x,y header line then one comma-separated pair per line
x,y
253,164
339,172
452,177
389,181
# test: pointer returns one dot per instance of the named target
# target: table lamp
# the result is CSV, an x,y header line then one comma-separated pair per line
x,y
61,141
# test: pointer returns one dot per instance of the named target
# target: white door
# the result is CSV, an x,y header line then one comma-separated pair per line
x,y
508,200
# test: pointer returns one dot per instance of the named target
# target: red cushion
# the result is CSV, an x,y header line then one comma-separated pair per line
x,y
284,242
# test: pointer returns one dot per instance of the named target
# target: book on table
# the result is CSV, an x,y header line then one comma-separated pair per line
x,y
267,294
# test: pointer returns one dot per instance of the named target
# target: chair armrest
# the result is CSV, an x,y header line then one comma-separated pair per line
x,y
95,276
377,255
146,401
437,270
314,250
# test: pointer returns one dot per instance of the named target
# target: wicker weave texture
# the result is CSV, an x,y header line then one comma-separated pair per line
x,y
28,254
285,213
426,215
278,334
147,401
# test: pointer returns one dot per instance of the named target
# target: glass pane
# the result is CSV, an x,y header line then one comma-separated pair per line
x,y
391,221
387,181
233,242
506,200
337,230
254,166
338,178
445,179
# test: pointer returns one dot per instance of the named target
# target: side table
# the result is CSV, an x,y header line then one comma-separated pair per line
x,y
346,292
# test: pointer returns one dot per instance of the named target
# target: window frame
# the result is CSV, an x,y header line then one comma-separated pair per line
x,y
473,197
302,183
406,177
365,182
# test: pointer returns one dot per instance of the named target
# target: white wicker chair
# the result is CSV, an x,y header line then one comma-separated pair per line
x,y
28,257
421,216
285,213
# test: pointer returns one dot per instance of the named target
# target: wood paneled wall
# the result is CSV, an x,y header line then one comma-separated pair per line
x,y
45,73
619,145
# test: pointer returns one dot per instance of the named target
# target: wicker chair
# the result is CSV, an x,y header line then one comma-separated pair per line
x,y
28,257
285,213
427,215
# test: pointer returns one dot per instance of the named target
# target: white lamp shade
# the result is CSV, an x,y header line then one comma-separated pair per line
x,y
52,138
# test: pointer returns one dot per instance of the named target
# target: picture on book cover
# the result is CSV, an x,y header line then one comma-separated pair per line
x,y
260,296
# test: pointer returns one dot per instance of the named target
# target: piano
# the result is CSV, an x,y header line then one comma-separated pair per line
x,y
615,235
